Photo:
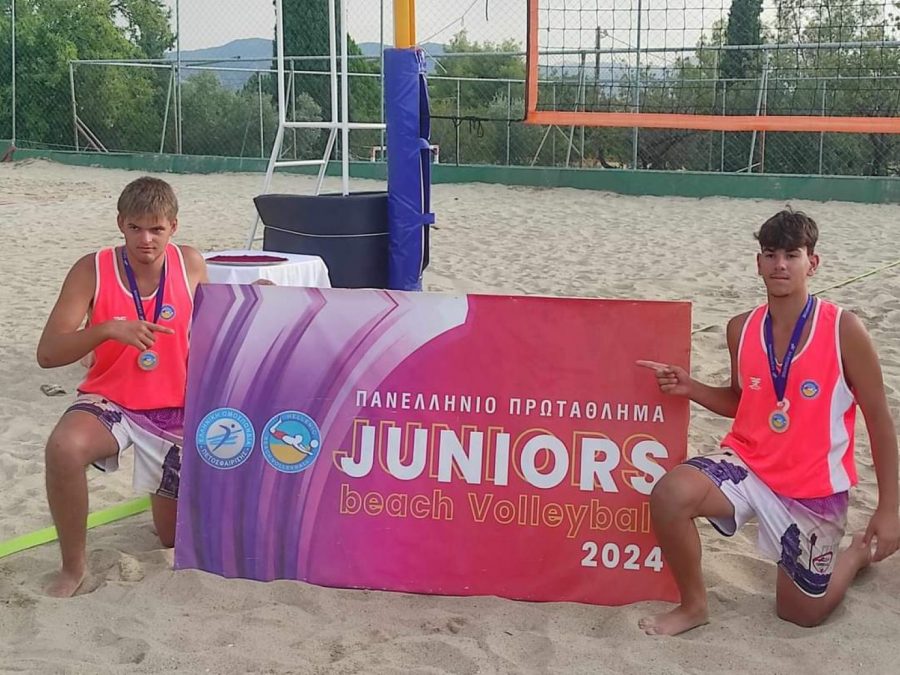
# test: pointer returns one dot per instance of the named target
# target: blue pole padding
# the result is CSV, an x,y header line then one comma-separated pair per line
x,y
409,167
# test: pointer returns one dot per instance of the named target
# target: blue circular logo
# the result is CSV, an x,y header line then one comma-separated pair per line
x,y
779,422
809,389
291,441
167,313
148,360
225,438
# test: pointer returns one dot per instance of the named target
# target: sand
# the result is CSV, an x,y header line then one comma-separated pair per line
x,y
144,617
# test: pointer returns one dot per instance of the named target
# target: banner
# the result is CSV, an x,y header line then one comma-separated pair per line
x,y
459,445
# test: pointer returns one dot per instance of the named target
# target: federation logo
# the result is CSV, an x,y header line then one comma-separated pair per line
x,y
822,563
148,360
225,438
779,422
167,313
291,441
809,389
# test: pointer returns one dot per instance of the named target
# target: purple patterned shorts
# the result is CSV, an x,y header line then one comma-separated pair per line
x,y
155,434
802,535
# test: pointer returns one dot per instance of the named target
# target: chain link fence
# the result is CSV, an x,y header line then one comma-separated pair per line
x,y
197,78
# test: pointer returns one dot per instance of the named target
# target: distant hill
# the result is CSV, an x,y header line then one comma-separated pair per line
x,y
432,49
605,71
248,54
256,53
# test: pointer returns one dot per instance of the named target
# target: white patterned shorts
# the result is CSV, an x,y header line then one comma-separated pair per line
x,y
801,535
155,434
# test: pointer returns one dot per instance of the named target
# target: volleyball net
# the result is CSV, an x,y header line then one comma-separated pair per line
x,y
720,65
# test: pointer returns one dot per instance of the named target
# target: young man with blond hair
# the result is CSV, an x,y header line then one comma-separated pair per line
x,y
800,366
125,312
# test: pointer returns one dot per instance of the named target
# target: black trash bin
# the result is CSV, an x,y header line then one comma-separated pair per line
x,y
349,232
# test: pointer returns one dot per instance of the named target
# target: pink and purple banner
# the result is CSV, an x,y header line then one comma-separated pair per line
x,y
456,445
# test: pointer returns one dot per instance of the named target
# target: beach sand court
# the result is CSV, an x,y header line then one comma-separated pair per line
x,y
144,617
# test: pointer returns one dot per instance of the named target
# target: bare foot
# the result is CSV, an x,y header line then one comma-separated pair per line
x,y
677,621
66,584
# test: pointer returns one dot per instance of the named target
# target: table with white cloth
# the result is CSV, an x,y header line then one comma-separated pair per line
x,y
296,270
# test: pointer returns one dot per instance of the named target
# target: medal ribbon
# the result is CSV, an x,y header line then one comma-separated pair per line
x,y
779,378
136,294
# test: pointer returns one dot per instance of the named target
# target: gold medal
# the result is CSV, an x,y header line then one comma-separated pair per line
x,y
779,420
148,360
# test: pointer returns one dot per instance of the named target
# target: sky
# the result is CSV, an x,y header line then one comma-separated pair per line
x,y
664,23
208,23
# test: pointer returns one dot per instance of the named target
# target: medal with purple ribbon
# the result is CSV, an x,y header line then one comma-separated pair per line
x,y
779,421
147,359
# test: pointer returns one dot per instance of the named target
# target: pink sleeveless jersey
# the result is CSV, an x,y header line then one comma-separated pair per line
x,y
813,457
115,373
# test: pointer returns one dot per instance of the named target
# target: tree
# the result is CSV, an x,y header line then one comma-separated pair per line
x,y
123,106
741,71
846,80
219,121
483,62
306,34
146,25
475,111
744,28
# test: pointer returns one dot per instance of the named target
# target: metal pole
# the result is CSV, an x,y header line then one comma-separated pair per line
x,y
162,140
722,156
822,133
637,90
74,104
178,118
553,136
332,58
292,87
279,134
541,145
583,108
765,106
13,62
279,61
581,158
709,163
508,117
404,23
578,94
759,104
345,102
262,140
457,122
381,68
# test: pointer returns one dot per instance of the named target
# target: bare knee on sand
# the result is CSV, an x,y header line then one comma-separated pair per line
x,y
811,613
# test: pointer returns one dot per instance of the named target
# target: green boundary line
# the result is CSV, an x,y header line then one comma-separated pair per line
x,y
48,534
